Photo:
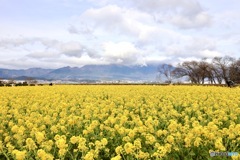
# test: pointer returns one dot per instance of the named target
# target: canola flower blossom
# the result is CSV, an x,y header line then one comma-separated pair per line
x,y
118,122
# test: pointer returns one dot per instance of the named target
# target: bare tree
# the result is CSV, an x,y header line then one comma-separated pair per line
x,y
179,72
204,69
197,71
167,71
234,71
11,81
1,82
31,81
211,74
221,67
192,70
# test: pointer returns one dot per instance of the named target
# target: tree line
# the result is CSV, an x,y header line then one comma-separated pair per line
x,y
11,82
218,70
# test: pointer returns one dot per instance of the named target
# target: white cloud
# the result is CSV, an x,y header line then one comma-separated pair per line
x,y
197,47
115,24
199,20
43,55
22,41
43,48
78,32
24,63
191,58
72,49
209,53
121,24
81,29
15,42
201,43
72,29
180,13
122,52
154,5
113,19
85,59
185,6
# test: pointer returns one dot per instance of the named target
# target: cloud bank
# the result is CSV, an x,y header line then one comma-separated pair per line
x,y
80,32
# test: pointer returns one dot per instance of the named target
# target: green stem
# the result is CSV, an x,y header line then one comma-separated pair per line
x,y
6,155
71,154
123,157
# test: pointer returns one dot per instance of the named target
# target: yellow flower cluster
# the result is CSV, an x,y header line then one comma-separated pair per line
x,y
118,122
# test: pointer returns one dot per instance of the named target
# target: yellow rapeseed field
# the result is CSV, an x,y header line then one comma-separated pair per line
x,y
118,122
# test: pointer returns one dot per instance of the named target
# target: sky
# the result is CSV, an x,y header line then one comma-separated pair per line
x,y
58,33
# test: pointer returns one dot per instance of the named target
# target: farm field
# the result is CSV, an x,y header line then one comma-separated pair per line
x,y
119,122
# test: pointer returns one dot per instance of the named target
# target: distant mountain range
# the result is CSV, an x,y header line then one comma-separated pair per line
x,y
87,72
